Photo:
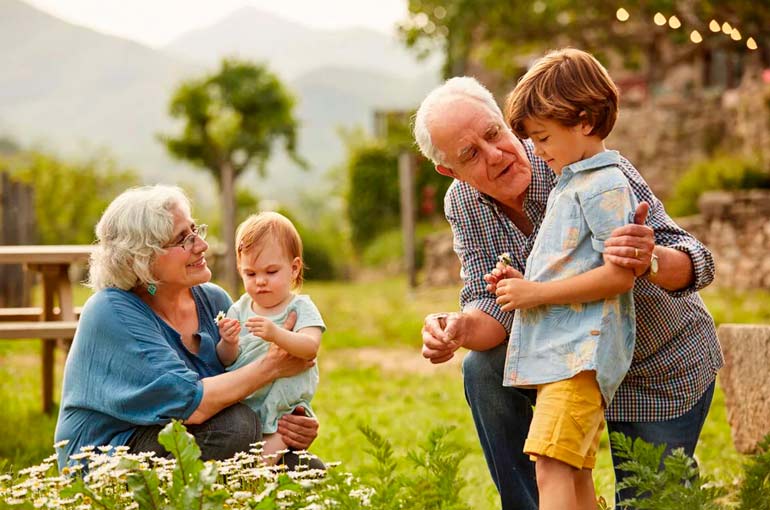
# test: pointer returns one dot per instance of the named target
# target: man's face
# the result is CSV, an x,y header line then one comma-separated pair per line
x,y
481,150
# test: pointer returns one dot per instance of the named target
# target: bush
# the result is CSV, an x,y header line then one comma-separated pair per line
x,y
69,197
142,481
721,173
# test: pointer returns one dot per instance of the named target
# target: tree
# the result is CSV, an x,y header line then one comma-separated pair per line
x,y
501,35
69,197
232,120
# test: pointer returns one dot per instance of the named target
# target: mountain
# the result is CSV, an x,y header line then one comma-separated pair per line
x,y
291,49
73,89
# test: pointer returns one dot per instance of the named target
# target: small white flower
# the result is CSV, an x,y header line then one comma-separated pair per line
x,y
505,259
219,317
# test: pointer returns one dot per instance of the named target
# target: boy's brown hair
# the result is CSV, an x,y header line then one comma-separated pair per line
x,y
270,227
568,86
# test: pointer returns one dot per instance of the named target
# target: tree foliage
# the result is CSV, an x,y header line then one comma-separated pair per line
x,y
232,119
69,197
501,35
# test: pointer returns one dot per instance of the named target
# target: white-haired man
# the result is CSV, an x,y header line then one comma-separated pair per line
x,y
496,205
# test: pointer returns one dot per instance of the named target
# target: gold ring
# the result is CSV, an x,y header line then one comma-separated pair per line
x,y
636,253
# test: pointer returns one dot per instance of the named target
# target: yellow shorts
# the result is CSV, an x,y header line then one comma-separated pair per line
x,y
568,421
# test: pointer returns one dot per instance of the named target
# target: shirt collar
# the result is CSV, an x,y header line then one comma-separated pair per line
x,y
601,160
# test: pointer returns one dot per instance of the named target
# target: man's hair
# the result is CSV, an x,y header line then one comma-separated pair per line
x,y
452,89
130,235
269,227
568,86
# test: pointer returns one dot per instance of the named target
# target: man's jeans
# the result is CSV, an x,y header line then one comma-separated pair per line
x,y
502,416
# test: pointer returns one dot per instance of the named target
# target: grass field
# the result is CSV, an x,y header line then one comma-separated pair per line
x,y
372,373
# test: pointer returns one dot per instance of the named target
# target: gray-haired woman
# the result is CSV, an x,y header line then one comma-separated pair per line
x,y
144,352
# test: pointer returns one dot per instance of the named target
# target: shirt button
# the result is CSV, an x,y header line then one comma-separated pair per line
x,y
595,332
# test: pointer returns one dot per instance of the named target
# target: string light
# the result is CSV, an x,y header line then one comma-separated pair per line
x,y
674,22
695,36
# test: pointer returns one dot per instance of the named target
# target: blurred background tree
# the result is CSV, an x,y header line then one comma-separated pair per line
x,y
232,120
70,197
499,37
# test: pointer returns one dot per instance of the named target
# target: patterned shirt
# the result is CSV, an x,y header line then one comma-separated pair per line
x,y
677,353
551,343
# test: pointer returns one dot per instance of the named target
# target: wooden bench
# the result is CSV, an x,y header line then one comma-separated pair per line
x,y
48,332
32,313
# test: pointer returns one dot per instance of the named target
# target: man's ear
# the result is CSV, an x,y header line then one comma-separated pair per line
x,y
445,171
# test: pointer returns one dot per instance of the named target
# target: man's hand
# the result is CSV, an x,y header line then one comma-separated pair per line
x,y
441,336
500,272
298,430
229,329
516,293
631,246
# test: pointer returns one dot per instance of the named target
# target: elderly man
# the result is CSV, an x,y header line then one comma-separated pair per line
x,y
496,205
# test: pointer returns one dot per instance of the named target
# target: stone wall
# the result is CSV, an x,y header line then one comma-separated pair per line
x,y
736,228
745,381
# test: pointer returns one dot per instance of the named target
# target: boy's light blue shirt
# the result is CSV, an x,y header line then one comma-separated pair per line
x,y
127,367
552,343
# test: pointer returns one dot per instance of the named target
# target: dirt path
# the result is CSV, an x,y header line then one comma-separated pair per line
x,y
398,359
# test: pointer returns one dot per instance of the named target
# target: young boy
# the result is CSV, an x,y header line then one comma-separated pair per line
x,y
573,333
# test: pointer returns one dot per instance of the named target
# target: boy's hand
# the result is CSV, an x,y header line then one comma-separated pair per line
x,y
229,329
516,294
262,327
500,272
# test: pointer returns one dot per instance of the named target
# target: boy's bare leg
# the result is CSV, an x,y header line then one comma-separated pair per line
x,y
273,443
584,489
556,484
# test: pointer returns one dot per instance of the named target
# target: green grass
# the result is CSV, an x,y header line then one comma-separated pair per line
x,y
372,373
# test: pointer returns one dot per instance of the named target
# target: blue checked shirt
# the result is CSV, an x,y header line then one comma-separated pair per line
x,y
677,353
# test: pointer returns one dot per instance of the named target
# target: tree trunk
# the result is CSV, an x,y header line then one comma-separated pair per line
x,y
230,276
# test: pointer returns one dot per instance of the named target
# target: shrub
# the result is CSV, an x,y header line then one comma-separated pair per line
x,y
723,172
142,481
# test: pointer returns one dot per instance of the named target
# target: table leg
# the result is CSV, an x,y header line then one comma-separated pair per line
x,y
56,284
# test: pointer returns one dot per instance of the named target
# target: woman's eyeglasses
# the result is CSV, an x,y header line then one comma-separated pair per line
x,y
189,241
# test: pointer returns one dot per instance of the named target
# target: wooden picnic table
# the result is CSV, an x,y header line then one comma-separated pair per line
x,y
47,323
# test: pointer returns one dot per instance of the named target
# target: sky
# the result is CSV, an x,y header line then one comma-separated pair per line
x,y
157,22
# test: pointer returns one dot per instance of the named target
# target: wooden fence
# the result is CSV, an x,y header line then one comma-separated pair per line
x,y
17,226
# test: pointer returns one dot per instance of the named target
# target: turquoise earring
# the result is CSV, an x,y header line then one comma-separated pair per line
x,y
152,289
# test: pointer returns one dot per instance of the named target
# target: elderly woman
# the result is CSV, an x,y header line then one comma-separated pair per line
x,y
144,352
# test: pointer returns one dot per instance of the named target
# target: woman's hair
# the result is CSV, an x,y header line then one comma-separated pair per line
x,y
131,233
568,86
266,227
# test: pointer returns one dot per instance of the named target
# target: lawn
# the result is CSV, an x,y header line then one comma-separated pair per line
x,y
372,373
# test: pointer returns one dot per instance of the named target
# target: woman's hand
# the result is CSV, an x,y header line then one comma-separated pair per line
x,y
298,430
282,364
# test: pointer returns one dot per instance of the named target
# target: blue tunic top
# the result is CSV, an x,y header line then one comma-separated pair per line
x,y
553,343
127,367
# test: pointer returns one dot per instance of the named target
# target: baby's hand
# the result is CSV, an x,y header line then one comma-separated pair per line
x,y
262,327
229,329
501,271
517,294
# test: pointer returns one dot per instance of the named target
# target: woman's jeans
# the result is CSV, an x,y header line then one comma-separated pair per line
x,y
502,416
232,430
